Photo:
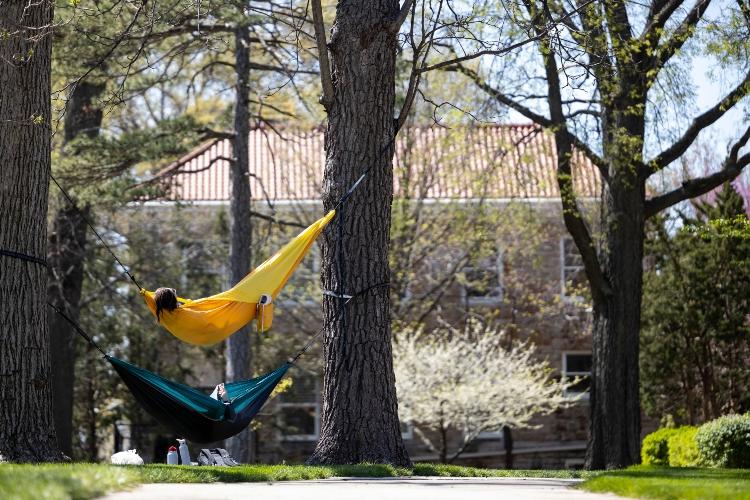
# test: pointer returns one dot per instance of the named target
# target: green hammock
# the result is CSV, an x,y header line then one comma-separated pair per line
x,y
190,412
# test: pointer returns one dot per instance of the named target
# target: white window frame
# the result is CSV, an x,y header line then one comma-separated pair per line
x,y
487,300
564,268
304,404
584,396
409,432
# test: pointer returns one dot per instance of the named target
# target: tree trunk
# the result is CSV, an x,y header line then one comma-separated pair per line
x,y
66,254
238,347
615,426
26,424
508,444
360,413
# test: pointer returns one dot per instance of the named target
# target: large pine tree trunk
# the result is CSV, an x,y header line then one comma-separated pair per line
x,y
238,351
26,424
615,426
66,255
360,413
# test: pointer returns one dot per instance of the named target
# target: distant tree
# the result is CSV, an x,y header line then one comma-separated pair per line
x,y
695,344
27,431
469,380
607,71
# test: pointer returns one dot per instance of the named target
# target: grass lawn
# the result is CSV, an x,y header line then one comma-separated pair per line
x,y
673,483
82,481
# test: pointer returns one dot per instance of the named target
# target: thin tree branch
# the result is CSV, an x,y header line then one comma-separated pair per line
x,y
572,214
326,79
691,188
541,120
664,53
700,123
509,48
403,13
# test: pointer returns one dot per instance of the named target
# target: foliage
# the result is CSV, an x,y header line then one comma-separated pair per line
x,y
62,481
694,346
655,449
682,447
725,442
471,380
685,483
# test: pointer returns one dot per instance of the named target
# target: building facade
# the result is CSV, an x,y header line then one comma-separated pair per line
x,y
477,231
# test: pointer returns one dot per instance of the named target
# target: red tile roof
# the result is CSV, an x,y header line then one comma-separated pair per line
x,y
500,161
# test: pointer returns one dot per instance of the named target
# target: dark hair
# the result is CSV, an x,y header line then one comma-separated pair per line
x,y
166,300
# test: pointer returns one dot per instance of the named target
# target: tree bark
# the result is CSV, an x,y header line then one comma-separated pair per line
x,y
66,254
615,424
26,425
360,412
238,351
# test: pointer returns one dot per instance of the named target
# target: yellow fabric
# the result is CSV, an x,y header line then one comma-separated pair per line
x,y
211,319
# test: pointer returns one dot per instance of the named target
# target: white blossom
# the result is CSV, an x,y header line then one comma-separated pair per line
x,y
471,381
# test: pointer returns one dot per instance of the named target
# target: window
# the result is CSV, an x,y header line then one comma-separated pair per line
x,y
577,365
300,410
572,275
407,430
483,282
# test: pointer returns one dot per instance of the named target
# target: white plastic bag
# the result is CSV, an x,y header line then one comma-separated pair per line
x,y
129,457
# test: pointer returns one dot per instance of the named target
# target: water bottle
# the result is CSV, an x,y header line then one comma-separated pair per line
x,y
172,456
184,452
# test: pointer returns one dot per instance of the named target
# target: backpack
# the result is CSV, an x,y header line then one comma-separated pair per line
x,y
216,456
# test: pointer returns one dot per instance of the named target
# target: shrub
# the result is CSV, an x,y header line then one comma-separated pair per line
x,y
725,442
682,448
655,449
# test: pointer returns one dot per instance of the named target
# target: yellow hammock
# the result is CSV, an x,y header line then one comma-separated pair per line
x,y
211,319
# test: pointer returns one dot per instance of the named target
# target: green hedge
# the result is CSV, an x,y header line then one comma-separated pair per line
x,y
725,442
682,447
655,449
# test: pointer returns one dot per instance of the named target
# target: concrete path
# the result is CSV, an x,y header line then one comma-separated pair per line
x,y
411,488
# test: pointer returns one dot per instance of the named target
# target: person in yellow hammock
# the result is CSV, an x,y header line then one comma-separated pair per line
x,y
212,319
165,300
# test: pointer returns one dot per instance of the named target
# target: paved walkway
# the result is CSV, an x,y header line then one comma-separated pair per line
x,y
411,488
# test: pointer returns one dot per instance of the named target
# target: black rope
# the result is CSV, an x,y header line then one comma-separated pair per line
x,y
77,328
335,318
340,271
91,226
23,256
356,184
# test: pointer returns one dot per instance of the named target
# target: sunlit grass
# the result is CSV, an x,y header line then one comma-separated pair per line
x,y
688,483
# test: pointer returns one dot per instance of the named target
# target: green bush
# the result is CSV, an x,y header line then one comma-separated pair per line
x,y
682,448
725,442
655,449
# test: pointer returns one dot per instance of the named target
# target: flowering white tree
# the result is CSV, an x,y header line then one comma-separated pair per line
x,y
468,381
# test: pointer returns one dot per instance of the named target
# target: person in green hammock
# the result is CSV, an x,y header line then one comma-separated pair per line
x,y
220,394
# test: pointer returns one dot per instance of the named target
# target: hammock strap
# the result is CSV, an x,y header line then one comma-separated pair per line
x,y
77,328
314,338
91,226
23,256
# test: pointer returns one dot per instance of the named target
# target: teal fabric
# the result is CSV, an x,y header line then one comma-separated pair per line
x,y
241,394
192,398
